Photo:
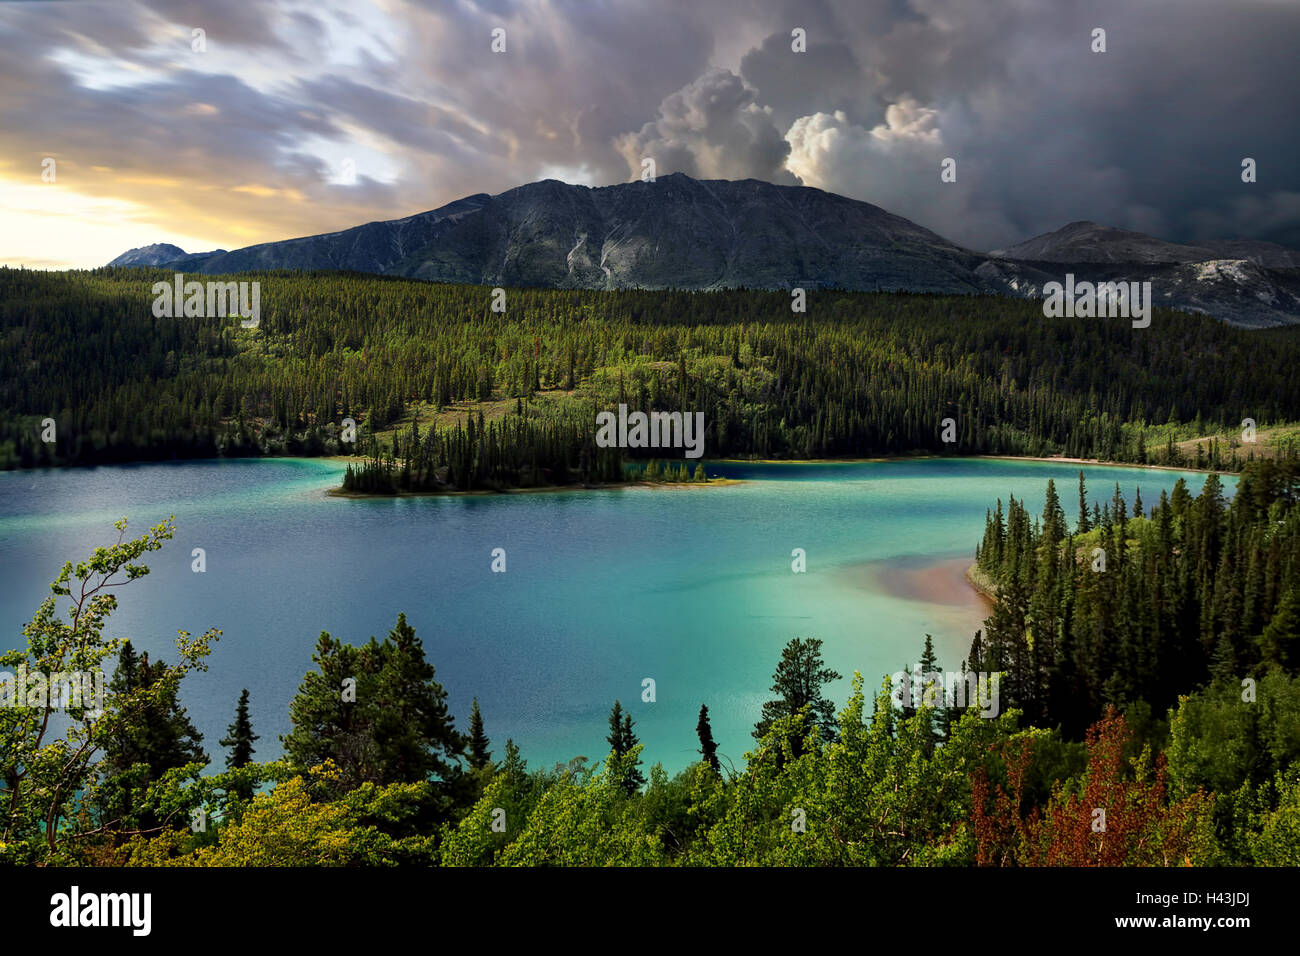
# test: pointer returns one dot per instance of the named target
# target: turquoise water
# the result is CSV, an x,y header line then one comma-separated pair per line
x,y
691,587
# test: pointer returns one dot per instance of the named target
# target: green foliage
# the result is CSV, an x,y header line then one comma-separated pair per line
x,y
147,744
1275,840
798,681
862,375
1198,590
623,743
291,826
377,711
373,777
56,802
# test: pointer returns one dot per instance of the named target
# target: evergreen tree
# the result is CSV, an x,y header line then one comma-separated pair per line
x,y
1053,516
1280,642
1084,525
929,662
479,755
615,736
155,735
976,658
621,741
931,680
798,681
708,748
240,736
377,711
514,767
161,737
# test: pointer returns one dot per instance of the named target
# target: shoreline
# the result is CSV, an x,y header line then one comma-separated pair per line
x,y
945,581
360,459
1098,463
1057,460
976,579
542,489
955,606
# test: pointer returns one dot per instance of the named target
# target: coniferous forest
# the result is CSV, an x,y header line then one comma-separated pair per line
x,y
448,394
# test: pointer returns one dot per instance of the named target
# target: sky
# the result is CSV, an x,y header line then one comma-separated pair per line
x,y
120,125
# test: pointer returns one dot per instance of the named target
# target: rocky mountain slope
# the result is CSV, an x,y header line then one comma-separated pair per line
x,y
679,232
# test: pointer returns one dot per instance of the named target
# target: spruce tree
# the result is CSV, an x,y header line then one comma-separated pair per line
x,y
515,767
479,755
1084,525
1053,516
240,736
162,737
157,735
798,681
621,741
615,737
931,679
708,748
377,711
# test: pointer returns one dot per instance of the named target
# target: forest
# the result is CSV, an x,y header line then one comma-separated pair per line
x,y
447,394
1151,717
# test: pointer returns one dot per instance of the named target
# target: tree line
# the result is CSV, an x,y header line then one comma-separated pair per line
x,y
856,375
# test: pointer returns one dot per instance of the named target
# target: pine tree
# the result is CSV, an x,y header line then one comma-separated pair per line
x,y
708,748
798,681
1053,516
157,735
1084,525
240,736
377,711
514,767
621,741
479,755
615,737
976,658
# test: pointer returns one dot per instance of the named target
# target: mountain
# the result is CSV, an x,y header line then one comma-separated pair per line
x,y
380,247
676,232
1241,281
679,232
154,255
1237,291
1089,242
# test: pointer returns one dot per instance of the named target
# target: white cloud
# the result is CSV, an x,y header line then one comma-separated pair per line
x,y
713,128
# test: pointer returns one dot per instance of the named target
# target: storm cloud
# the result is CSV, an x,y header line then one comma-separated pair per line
x,y
248,140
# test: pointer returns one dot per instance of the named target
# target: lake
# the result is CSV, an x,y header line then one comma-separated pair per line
x,y
691,587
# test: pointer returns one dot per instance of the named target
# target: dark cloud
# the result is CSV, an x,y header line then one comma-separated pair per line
x,y
241,142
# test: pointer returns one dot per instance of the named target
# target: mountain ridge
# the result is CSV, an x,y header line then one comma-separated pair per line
x,y
678,232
